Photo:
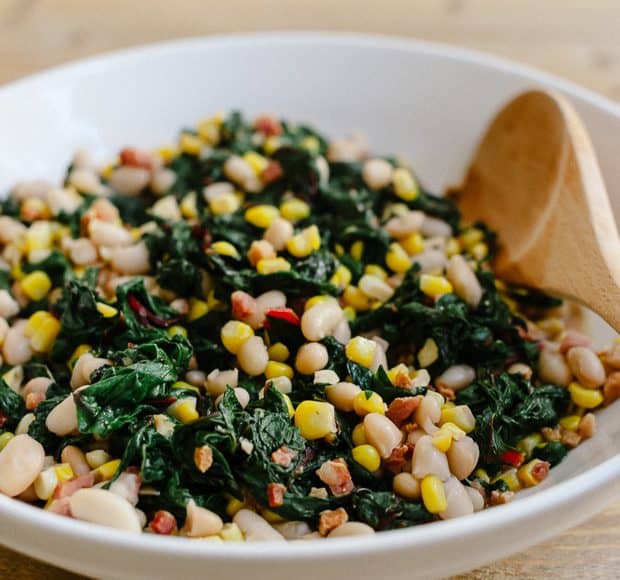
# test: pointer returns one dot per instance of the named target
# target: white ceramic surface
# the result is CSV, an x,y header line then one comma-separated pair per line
x,y
426,101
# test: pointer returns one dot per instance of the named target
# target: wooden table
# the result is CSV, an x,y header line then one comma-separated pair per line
x,y
577,39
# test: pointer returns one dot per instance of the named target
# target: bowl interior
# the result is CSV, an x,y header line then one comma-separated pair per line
x,y
427,103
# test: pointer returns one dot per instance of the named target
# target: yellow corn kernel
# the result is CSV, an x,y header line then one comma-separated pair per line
x,y
197,309
185,386
526,473
277,369
17,273
190,144
357,250
63,472
177,330
77,353
413,243
356,299
314,300
278,352
45,483
256,161
310,143
433,494
234,505
470,237
35,321
358,435
42,339
366,402
585,398
570,422
367,456
376,270
209,129
184,410
167,153
479,251
304,243
262,215
188,207
39,236
272,265
428,354
404,184
529,443
36,285
361,350
107,170
316,420
225,249
106,471
271,145
294,209
34,208
482,475
224,204
349,313
442,440
5,438
551,326
453,247
338,249
434,286
459,415
231,533
397,259
233,334
510,477
106,311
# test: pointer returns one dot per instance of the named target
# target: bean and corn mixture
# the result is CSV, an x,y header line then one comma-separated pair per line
x,y
257,334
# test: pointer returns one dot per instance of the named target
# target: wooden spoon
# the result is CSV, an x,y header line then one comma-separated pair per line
x,y
535,180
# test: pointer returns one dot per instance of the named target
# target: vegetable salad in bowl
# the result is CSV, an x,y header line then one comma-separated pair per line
x,y
259,334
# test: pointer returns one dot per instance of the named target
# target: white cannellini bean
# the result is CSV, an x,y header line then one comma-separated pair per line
x,y
464,281
21,461
311,357
85,366
196,378
435,227
456,377
201,522
108,234
167,208
82,252
407,486
8,305
128,180
132,260
401,226
428,414
11,230
210,192
127,486
238,170
459,501
66,200
379,359
520,369
242,396
278,233
252,356
24,424
586,366
428,460
32,188
326,377
321,320
377,173
341,395
36,386
476,498
552,366
382,433
162,180
255,528
463,457
264,302
75,457
16,348
217,381
85,180
100,506
62,419
350,529
430,261
374,287
293,530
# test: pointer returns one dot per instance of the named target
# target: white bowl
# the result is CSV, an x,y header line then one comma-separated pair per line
x,y
427,101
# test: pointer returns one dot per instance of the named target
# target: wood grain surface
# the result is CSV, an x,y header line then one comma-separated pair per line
x,y
578,39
